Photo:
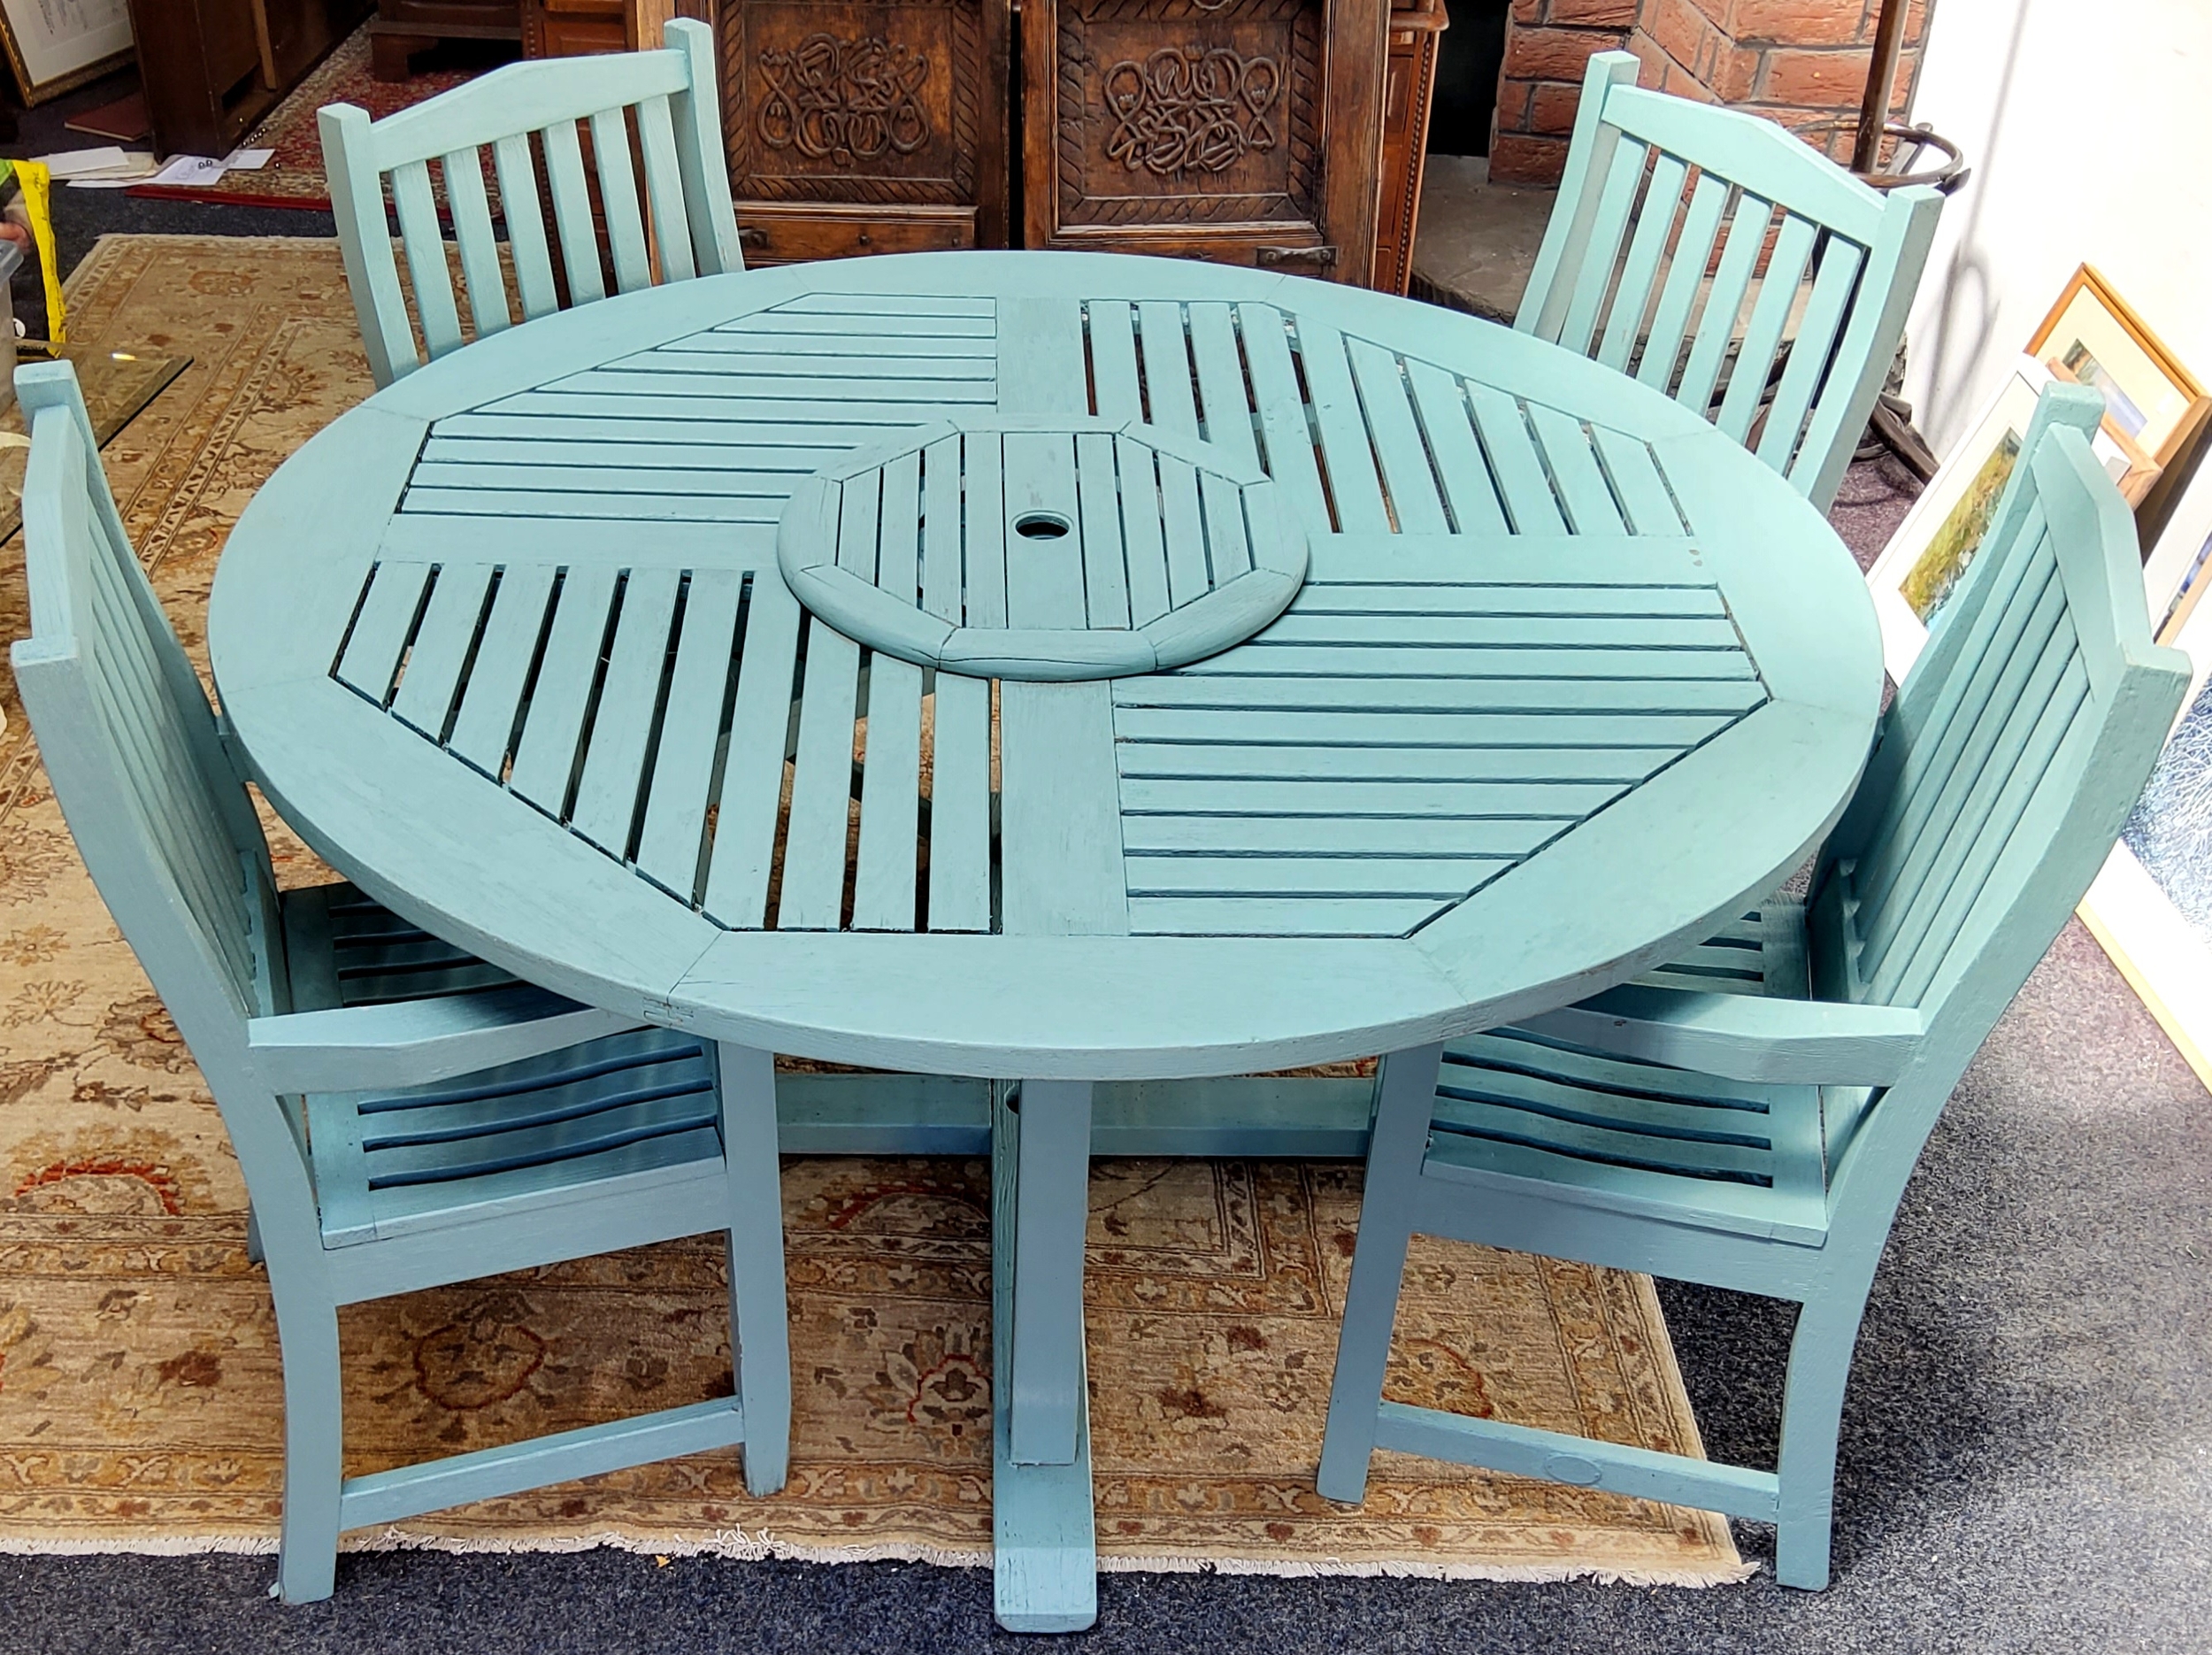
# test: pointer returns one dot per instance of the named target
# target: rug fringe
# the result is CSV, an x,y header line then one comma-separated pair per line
x,y
738,1545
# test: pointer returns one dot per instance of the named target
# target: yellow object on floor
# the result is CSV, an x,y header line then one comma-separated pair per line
x,y
141,1404
38,203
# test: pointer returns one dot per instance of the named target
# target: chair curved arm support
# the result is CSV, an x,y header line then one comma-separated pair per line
x,y
351,1049
1745,1037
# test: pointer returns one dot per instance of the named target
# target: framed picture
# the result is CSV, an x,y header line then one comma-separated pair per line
x,y
2154,406
1914,577
55,45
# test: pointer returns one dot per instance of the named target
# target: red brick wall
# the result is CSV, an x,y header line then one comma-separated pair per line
x,y
1800,62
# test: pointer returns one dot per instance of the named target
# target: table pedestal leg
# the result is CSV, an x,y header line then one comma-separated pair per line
x,y
1043,1538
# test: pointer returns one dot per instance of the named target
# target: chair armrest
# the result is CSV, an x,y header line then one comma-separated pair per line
x,y
412,1043
1744,1036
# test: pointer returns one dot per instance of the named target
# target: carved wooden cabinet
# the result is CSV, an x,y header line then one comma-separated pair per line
x,y
865,128
1242,130
1408,87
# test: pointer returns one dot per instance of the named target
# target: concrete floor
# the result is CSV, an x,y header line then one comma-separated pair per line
x,y
1475,242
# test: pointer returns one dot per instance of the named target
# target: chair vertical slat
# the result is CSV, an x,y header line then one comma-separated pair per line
x,y
1396,436
669,849
1953,882
2011,642
571,213
1886,288
1282,414
464,171
364,240
1631,297
526,226
1590,155
618,196
884,882
1686,279
1769,318
1724,302
1811,351
664,190
1448,428
696,114
432,279
1898,882
752,789
1600,249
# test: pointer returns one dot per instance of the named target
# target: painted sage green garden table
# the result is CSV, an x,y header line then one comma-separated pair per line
x,y
1208,672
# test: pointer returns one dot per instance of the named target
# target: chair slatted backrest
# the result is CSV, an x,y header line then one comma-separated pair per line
x,y
2010,757
669,96
1690,241
136,758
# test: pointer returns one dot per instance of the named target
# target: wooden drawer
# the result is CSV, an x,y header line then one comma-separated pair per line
x,y
575,28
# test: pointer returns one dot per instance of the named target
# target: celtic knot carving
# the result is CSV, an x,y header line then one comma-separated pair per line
x,y
1184,111
843,100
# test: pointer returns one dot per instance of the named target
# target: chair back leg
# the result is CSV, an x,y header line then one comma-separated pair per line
x,y
760,1331
1405,1099
314,1439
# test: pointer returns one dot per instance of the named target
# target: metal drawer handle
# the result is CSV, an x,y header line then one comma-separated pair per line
x,y
1295,256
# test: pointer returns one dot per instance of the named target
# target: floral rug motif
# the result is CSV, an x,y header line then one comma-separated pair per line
x,y
140,1383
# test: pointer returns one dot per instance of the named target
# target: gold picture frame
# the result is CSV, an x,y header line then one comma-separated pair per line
x,y
2154,408
52,48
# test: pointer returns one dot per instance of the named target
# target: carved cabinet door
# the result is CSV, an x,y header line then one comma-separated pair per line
x,y
1242,130
865,126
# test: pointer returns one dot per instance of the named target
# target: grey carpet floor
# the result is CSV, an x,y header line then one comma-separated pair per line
x,y
2026,1459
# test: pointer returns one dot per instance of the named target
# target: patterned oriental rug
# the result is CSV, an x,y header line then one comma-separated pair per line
x,y
140,1392
294,176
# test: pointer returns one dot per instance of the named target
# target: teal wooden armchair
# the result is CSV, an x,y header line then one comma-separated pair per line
x,y
1755,1130
405,1116
671,96
1806,300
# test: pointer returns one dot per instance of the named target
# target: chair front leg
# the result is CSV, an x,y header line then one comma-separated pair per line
x,y
1812,1415
1405,1093
760,1332
314,1441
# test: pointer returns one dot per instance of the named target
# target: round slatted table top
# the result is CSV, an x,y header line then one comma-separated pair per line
x,y
1565,677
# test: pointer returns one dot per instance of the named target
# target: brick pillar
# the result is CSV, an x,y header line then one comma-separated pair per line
x,y
1801,61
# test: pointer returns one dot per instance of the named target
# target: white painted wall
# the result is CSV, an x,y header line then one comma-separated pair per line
x,y
2087,128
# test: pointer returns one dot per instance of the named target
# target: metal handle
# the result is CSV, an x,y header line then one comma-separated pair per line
x,y
1294,256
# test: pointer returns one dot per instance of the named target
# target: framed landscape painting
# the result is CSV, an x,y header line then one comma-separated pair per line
x,y
2154,406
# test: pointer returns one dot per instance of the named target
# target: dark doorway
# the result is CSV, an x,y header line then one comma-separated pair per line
x,y
1467,63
